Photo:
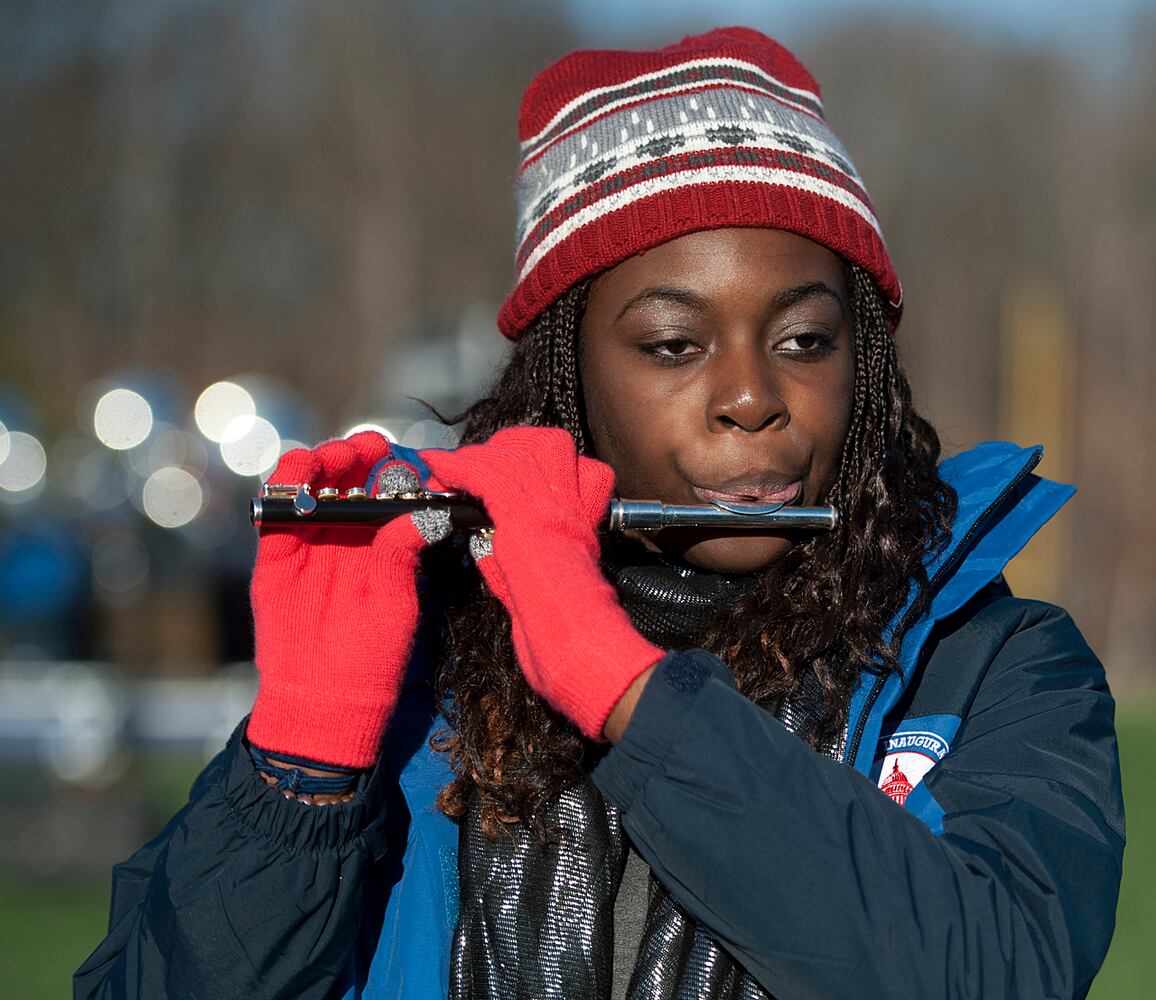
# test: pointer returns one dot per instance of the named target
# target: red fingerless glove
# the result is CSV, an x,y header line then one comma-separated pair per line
x,y
335,610
574,642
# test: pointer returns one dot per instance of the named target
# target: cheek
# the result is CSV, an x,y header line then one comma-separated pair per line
x,y
829,417
618,417
838,422
604,418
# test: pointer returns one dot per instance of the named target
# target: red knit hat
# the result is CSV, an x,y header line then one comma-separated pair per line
x,y
624,151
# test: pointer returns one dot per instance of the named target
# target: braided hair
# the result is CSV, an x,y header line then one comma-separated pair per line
x,y
821,613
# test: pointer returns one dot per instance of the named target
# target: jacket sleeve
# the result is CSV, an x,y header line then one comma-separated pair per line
x,y
243,894
819,884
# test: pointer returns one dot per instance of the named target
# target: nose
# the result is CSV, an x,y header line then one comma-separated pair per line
x,y
746,394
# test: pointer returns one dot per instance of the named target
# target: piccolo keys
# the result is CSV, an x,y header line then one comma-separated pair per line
x,y
296,504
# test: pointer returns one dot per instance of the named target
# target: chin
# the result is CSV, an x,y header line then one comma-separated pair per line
x,y
734,554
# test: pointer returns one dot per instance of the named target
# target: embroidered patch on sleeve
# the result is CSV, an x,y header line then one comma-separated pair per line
x,y
903,759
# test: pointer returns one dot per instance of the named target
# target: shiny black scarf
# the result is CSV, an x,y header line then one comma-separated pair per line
x,y
538,921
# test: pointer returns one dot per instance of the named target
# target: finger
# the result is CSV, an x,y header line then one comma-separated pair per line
x,y
340,463
300,465
371,446
595,488
503,471
396,477
346,463
472,469
398,544
482,550
550,450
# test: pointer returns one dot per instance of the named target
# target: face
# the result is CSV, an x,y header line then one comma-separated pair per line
x,y
720,366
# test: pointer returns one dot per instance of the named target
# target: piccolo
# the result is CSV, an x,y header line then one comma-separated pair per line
x,y
296,504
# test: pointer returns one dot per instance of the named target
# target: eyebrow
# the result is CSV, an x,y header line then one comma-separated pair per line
x,y
791,296
681,296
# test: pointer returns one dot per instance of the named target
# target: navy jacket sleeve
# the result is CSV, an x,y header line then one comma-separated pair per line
x,y
820,884
243,894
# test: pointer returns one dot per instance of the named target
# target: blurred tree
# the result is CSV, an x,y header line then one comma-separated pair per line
x,y
303,188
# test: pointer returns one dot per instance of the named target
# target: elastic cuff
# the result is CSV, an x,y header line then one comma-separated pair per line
x,y
659,719
299,828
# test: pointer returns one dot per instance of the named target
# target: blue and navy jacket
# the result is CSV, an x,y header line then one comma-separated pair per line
x,y
969,846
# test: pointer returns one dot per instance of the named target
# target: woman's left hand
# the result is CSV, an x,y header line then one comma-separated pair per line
x,y
573,639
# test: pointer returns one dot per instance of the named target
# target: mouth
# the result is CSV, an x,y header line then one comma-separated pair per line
x,y
753,491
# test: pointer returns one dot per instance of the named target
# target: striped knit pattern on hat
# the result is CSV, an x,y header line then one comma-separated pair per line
x,y
623,151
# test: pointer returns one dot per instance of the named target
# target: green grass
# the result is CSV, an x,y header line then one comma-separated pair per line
x,y
50,929
48,932
1130,970
51,926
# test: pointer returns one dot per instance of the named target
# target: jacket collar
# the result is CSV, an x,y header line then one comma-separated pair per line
x,y
1001,505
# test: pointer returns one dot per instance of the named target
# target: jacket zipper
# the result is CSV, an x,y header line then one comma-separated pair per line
x,y
908,617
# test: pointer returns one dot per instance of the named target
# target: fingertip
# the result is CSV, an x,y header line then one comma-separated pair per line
x,y
396,477
442,463
413,531
333,458
299,465
595,473
595,485
488,567
481,545
370,446
432,524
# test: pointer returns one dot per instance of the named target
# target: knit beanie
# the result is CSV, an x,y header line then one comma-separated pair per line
x,y
623,151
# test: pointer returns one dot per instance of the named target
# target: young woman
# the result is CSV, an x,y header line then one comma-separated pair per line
x,y
680,764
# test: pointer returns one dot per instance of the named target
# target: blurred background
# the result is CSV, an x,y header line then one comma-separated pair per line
x,y
230,228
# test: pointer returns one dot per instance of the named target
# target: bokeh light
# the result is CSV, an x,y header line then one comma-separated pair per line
x,y
24,464
5,444
100,481
219,407
120,563
172,497
288,444
88,707
172,446
384,431
122,419
429,434
251,446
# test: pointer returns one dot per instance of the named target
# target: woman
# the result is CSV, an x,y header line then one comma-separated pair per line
x,y
698,763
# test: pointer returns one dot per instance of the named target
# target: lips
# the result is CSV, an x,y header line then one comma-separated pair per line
x,y
752,491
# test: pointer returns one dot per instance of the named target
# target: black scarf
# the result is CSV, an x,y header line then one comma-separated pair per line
x,y
537,922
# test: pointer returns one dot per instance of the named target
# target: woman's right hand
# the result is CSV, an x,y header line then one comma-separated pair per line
x,y
335,610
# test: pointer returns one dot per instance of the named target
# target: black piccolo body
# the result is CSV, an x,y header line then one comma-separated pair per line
x,y
275,507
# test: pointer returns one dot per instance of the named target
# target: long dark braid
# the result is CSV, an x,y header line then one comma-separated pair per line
x,y
822,610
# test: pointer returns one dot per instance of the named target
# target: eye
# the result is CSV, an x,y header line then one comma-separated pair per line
x,y
813,343
671,349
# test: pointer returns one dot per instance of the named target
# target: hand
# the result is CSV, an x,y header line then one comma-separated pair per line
x,y
573,640
335,610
